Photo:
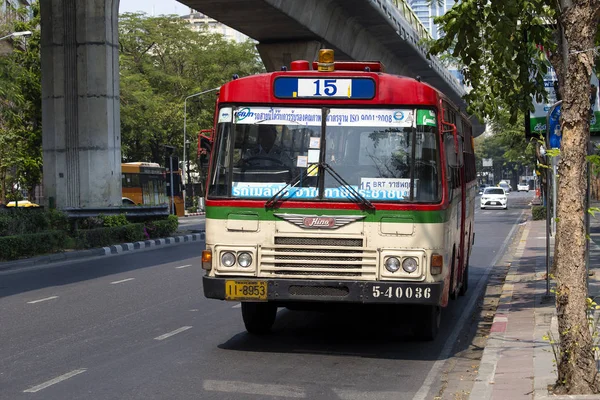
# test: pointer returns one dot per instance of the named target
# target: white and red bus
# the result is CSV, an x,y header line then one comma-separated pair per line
x,y
338,183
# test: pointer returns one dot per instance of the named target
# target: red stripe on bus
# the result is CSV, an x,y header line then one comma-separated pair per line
x,y
326,205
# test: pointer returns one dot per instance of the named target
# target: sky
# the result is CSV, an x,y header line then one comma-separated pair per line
x,y
153,7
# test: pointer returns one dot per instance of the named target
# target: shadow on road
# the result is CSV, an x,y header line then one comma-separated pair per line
x,y
360,331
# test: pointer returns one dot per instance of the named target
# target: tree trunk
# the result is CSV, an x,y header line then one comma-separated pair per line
x,y
577,372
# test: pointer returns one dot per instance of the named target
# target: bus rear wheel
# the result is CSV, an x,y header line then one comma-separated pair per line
x,y
259,317
430,324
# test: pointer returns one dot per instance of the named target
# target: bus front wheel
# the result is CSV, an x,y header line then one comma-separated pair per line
x,y
430,324
258,317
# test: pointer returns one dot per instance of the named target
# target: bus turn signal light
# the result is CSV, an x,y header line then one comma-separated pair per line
x,y
437,263
326,60
206,260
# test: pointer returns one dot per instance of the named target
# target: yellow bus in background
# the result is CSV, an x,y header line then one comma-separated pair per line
x,y
146,183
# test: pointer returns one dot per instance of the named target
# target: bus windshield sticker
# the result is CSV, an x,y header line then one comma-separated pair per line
x,y
426,118
313,156
225,114
302,162
337,117
311,88
315,142
401,186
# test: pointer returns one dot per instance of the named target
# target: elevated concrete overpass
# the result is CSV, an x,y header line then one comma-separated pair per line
x,y
80,73
383,30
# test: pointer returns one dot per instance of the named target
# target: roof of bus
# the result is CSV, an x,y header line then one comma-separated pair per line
x,y
136,167
142,164
391,89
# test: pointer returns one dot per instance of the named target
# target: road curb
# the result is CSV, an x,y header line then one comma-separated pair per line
x,y
103,251
194,214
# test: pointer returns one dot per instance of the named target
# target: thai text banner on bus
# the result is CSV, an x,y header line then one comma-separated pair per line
x,y
312,116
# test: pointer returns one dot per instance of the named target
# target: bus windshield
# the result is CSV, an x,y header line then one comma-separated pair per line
x,y
384,154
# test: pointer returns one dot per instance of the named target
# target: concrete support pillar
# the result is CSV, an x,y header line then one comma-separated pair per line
x,y
275,55
80,103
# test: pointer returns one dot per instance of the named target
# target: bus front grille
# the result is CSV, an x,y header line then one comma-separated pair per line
x,y
319,258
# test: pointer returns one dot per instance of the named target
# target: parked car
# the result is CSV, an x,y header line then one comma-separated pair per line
x,y
494,197
505,186
523,187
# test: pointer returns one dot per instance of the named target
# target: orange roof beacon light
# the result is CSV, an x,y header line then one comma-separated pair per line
x,y
326,60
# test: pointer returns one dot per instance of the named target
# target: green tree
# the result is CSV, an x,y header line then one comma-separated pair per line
x,y
163,62
21,109
504,45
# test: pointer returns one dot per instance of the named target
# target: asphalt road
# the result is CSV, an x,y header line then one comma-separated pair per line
x,y
192,224
137,326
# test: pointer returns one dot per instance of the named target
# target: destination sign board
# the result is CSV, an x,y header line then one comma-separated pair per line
x,y
322,88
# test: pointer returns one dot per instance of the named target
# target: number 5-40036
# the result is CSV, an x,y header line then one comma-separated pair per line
x,y
401,293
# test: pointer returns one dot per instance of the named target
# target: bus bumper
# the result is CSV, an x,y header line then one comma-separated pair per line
x,y
305,290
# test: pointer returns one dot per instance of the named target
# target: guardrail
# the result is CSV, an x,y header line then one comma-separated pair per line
x,y
130,211
402,16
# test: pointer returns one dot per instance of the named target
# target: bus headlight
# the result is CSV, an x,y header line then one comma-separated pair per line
x,y
409,264
228,259
244,260
392,264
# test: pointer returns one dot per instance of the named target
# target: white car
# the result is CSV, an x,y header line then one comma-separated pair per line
x,y
523,187
494,197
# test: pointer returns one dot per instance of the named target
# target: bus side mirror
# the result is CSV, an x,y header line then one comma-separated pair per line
x,y
205,142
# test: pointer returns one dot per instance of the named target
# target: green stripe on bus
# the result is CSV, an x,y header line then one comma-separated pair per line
x,y
242,213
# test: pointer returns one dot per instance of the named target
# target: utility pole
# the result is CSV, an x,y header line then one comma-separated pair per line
x,y
189,179
171,191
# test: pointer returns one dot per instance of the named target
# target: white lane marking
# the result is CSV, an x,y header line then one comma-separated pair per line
x,y
348,394
239,305
55,381
255,389
183,266
444,355
40,300
122,280
175,332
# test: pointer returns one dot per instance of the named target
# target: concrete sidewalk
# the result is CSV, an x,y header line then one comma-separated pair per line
x,y
517,363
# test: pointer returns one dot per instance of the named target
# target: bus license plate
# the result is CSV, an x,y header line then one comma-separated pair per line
x,y
246,290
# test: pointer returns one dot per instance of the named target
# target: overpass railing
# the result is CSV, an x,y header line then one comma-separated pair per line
x,y
401,14
410,16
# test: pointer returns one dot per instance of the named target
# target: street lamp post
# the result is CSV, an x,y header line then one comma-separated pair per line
x,y
185,137
17,34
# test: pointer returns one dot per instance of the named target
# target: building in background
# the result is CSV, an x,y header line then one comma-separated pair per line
x,y
427,12
10,11
200,21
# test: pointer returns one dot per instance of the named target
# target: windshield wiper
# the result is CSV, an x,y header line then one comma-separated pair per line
x,y
272,202
356,196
